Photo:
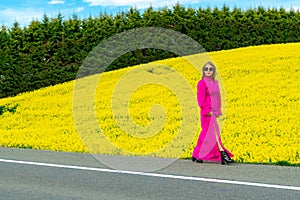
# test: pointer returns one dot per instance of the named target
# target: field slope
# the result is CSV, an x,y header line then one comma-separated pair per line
x,y
260,122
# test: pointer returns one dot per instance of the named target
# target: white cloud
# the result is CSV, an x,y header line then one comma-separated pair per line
x,y
288,5
56,2
26,15
137,3
22,16
294,8
79,9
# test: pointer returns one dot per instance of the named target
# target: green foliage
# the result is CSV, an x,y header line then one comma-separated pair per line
x,y
7,108
50,51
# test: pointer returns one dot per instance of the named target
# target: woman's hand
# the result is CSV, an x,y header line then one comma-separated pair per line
x,y
210,114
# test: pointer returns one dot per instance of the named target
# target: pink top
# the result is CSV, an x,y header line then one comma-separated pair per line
x,y
208,96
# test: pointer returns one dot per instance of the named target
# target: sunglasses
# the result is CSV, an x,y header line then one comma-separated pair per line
x,y
208,69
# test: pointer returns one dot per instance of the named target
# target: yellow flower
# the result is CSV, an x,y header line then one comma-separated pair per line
x,y
260,104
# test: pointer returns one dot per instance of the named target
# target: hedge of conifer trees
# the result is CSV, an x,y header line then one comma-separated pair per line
x,y
51,50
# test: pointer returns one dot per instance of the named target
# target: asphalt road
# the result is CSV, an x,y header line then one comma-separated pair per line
x,y
58,175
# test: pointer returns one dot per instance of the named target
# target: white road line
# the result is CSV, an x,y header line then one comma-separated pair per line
x,y
154,175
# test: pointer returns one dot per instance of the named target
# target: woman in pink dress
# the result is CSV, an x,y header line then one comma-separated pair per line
x,y
209,146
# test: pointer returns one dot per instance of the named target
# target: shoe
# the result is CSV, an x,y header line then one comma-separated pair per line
x,y
197,160
225,159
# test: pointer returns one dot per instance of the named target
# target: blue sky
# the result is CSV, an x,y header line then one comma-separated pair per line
x,y
24,11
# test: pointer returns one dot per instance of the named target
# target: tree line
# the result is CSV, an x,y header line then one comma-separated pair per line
x,y
51,50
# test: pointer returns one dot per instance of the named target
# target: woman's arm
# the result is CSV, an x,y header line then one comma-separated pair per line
x,y
201,94
219,101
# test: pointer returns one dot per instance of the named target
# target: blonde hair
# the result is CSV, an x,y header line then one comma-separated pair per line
x,y
214,69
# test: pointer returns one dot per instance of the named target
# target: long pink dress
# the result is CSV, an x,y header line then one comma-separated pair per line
x,y
209,100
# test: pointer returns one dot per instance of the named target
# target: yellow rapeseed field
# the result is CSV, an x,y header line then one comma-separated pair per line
x,y
261,107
